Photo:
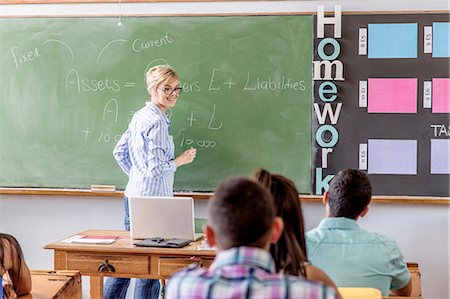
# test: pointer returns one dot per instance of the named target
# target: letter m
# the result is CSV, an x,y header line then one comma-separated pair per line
x,y
327,67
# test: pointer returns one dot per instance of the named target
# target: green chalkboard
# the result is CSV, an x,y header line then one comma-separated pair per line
x,y
70,85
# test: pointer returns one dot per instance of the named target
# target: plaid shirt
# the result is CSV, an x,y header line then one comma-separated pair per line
x,y
145,152
243,272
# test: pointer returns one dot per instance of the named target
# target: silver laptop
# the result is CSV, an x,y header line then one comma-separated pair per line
x,y
165,217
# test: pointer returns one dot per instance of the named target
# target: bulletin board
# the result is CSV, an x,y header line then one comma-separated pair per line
x,y
395,104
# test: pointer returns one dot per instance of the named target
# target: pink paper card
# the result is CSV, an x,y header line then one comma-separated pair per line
x,y
392,95
441,95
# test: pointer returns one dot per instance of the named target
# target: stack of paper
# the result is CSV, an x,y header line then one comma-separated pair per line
x,y
90,239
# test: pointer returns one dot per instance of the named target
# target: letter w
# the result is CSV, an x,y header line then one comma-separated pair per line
x,y
327,110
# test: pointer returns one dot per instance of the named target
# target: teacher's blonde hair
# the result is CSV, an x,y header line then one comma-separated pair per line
x,y
159,74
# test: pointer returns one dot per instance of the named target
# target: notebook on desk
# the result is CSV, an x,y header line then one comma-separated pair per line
x,y
164,217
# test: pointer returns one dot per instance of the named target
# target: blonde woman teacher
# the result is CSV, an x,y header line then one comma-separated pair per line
x,y
145,152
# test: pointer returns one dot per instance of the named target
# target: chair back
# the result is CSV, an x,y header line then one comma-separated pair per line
x,y
358,293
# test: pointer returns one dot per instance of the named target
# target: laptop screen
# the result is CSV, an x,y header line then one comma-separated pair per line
x,y
165,217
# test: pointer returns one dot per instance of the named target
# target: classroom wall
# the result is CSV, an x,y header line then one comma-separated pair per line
x,y
422,231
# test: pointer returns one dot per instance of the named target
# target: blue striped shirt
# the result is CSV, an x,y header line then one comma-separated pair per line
x,y
243,272
145,152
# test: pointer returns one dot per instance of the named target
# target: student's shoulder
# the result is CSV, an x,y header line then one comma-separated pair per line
x,y
303,286
191,271
314,235
381,239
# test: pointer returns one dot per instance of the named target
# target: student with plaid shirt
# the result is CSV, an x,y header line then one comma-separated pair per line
x,y
242,225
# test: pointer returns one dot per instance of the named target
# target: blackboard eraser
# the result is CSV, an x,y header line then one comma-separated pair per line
x,y
105,188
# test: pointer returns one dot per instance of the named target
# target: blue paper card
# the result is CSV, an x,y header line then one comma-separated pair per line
x,y
441,39
392,40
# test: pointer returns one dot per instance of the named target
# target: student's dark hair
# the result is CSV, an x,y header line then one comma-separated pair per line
x,y
349,193
289,253
16,256
241,213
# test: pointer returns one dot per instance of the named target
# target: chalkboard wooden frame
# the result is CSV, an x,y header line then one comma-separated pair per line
x,y
416,200
108,1
420,200
180,187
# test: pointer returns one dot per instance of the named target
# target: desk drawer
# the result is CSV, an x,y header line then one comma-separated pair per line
x,y
168,266
122,264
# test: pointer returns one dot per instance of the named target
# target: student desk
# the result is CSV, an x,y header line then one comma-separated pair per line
x,y
54,284
123,259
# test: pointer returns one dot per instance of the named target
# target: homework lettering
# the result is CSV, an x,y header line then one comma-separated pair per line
x,y
328,69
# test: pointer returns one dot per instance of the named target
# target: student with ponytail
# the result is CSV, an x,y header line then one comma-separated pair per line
x,y
289,253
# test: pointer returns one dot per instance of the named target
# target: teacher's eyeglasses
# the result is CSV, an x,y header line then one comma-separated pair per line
x,y
170,91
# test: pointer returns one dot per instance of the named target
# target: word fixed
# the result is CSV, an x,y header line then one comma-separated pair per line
x,y
140,45
24,56
440,130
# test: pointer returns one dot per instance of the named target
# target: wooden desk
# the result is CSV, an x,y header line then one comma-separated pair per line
x,y
415,280
126,259
55,284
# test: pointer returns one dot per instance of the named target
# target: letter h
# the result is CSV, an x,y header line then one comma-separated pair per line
x,y
322,20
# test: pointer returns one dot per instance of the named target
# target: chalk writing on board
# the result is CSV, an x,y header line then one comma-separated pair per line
x,y
111,108
108,137
190,86
140,45
86,133
191,119
62,43
273,84
197,143
90,85
210,125
21,56
129,84
252,83
155,62
107,45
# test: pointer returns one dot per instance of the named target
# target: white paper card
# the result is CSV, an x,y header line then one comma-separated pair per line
x,y
427,39
363,156
362,93
362,47
427,94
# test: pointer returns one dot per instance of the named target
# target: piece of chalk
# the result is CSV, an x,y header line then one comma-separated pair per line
x,y
103,188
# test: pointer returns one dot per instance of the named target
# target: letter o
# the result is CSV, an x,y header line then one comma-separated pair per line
x,y
325,143
336,48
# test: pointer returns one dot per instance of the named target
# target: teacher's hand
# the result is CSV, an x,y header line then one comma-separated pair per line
x,y
186,157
